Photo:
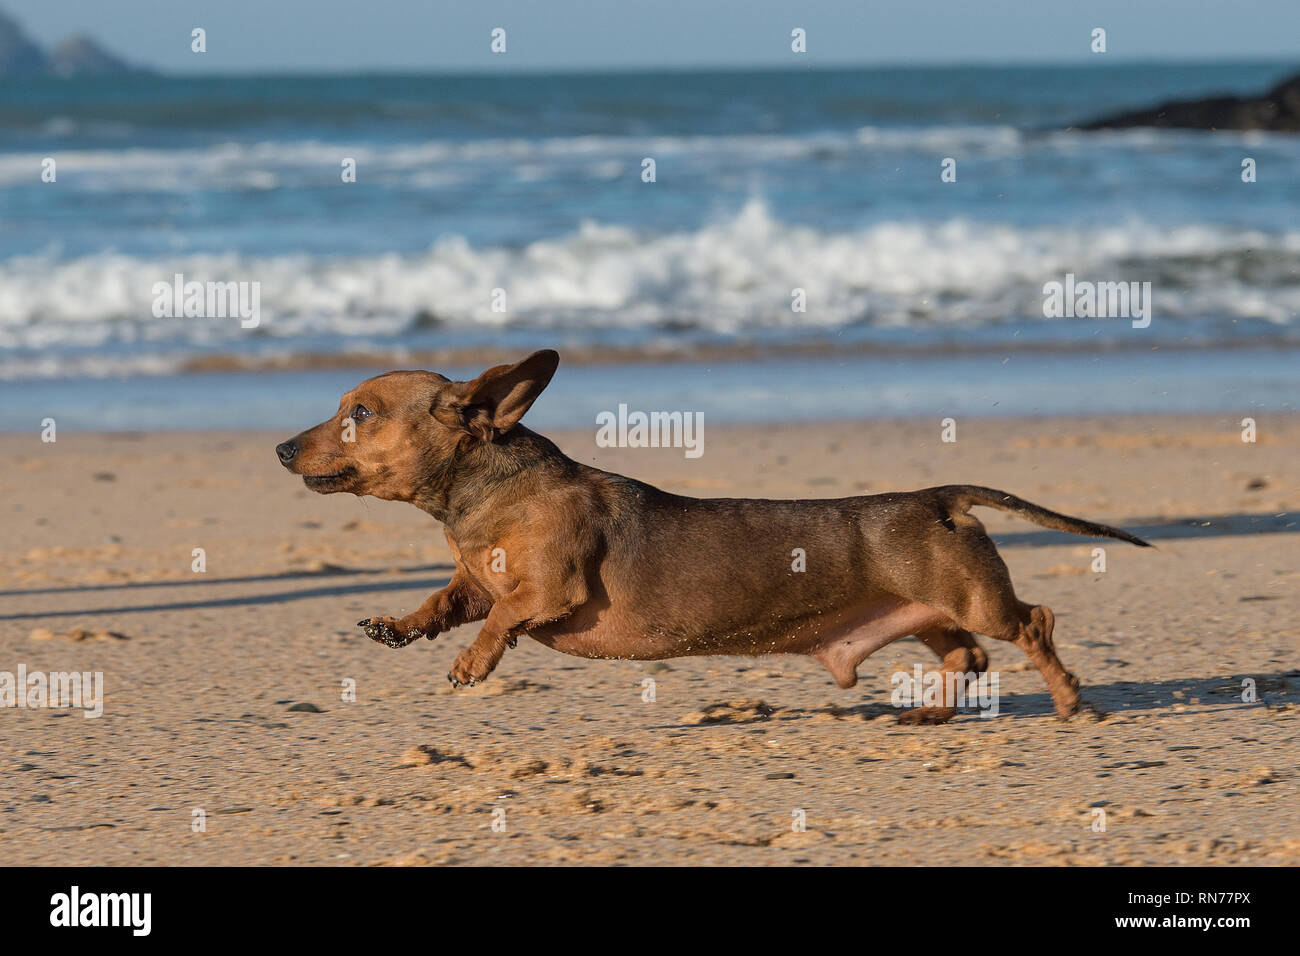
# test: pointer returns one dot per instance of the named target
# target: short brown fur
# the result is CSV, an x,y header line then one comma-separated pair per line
x,y
602,566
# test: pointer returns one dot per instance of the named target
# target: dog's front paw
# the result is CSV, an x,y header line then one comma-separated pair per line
x,y
387,631
469,668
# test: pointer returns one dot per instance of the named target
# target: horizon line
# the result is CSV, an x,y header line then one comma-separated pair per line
x,y
702,68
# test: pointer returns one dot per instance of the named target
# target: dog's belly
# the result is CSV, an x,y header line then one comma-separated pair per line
x,y
839,639
841,650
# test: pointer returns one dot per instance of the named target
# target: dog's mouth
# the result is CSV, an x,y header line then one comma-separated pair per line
x,y
331,481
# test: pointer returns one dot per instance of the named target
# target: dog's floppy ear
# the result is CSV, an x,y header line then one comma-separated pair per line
x,y
494,402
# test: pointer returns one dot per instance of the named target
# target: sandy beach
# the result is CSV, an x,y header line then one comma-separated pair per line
x,y
202,670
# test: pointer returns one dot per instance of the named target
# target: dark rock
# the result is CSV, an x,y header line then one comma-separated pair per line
x,y
82,56
75,56
306,707
18,55
1278,110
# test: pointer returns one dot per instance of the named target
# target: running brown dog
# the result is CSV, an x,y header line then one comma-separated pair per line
x,y
601,566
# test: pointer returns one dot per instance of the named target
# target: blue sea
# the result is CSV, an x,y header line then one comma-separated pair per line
x,y
826,181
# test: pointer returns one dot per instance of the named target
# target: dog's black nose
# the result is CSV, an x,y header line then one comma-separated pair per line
x,y
287,450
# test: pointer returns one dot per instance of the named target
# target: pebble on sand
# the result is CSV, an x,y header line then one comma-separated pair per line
x,y
77,634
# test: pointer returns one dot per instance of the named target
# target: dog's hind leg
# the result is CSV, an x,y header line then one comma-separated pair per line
x,y
985,603
961,655
1034,637
967,640
1029,627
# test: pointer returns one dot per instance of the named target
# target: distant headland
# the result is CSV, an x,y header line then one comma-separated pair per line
x,y
74,56
1278,110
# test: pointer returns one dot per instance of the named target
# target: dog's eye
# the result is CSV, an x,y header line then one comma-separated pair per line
x,y
360,413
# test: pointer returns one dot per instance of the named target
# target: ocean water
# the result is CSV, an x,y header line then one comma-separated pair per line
x,y
1238,382
827,181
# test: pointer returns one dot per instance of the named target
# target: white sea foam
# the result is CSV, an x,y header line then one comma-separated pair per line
x,y
267,164
733,275
441,163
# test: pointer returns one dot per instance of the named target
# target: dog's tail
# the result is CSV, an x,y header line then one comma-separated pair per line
x,y
962,497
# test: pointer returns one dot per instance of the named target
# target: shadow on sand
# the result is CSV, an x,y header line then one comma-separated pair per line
x,y
1164,529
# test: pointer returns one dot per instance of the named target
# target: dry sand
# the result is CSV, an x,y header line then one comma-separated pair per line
x,y
200,681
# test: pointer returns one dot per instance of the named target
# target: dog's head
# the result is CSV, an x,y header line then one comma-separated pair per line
x,y
394,431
